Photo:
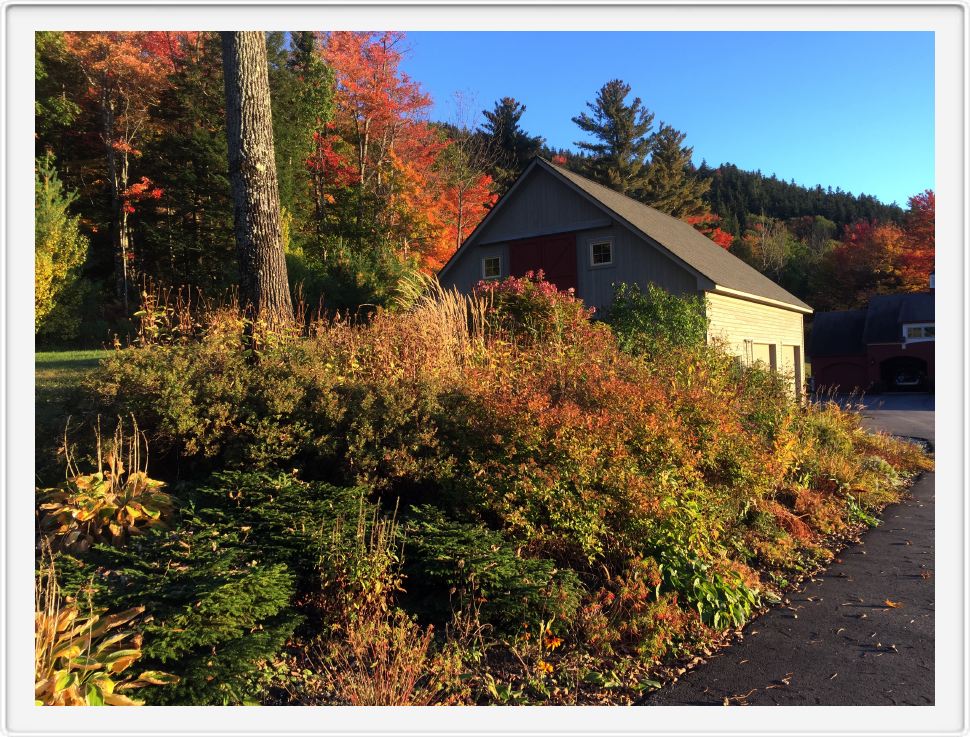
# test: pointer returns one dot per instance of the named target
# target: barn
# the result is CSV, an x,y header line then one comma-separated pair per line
x,y
588,237
889,346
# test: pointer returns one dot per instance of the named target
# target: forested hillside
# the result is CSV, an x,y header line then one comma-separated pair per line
x,y
736,195
132,183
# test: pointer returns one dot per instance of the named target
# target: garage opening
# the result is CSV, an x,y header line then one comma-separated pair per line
x,y
904,374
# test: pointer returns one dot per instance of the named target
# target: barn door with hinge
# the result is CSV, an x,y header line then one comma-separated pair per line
x,y
555,255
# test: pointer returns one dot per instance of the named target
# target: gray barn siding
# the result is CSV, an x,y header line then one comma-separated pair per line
x,y
634,261
466,272
540,206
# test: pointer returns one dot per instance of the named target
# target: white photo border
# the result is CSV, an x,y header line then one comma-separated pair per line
x,y
948,20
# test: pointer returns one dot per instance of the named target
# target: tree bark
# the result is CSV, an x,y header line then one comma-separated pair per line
x,y
264,291
118,181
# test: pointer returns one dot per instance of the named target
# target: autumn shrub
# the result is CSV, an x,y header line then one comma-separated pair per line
x,y
372,652
529,306
540,472
630,612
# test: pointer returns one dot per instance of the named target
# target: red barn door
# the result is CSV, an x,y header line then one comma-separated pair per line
x,y
554,254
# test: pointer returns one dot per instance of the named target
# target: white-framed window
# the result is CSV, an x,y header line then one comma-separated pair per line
x,y
491,267
916,332
601,252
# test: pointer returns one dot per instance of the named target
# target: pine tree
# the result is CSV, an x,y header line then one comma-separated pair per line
x,y
302,96
618,155
190,240
672,185
513,147
252,173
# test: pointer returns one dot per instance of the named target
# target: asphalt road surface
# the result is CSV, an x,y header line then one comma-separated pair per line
x,y
860,633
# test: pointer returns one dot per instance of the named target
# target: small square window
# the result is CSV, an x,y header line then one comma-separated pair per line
x,y
491,267
601,253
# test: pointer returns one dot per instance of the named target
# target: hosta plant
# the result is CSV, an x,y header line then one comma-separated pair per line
x,y
109,506
81,658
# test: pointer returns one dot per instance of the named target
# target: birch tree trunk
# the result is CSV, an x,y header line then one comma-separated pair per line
x,y
264,291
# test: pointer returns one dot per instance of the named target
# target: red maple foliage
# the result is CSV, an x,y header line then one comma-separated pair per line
x,y
707,223
376,102
141,190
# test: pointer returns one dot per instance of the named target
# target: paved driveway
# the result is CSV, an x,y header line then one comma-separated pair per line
x,y
861,633
902,414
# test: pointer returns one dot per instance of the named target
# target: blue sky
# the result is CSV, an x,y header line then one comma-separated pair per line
x,y
846,109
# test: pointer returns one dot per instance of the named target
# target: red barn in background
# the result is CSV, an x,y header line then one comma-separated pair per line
x,y
889,346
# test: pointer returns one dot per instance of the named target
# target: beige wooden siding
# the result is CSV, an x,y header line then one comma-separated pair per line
x,y
755,332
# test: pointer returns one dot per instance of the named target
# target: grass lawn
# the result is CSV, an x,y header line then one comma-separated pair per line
x,y
56,373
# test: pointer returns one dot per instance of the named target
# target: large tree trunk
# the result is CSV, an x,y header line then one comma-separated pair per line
x,y
118,181
252,171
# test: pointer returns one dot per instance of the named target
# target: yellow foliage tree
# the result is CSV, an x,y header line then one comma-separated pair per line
x,y
59,250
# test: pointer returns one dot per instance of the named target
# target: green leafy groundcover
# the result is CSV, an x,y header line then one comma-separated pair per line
x,y
480,500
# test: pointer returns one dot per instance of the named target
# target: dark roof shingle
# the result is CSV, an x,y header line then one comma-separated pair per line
x,y
683,241
888,312
838,333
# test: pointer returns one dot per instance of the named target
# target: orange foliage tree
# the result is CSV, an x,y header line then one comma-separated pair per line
x,y
400,161
866,262
125,72
917,262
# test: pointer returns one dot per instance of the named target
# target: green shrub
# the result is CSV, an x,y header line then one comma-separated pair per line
x,y
216,608
214,405
651,322
288,520
451,564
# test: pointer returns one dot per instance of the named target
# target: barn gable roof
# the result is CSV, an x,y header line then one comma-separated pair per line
x,y
888,312
679,239
848,332
838,333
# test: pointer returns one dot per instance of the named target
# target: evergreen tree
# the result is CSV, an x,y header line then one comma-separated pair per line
x,y
59,252
53,109
302,96
622,140
672,185
190,240
512,147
